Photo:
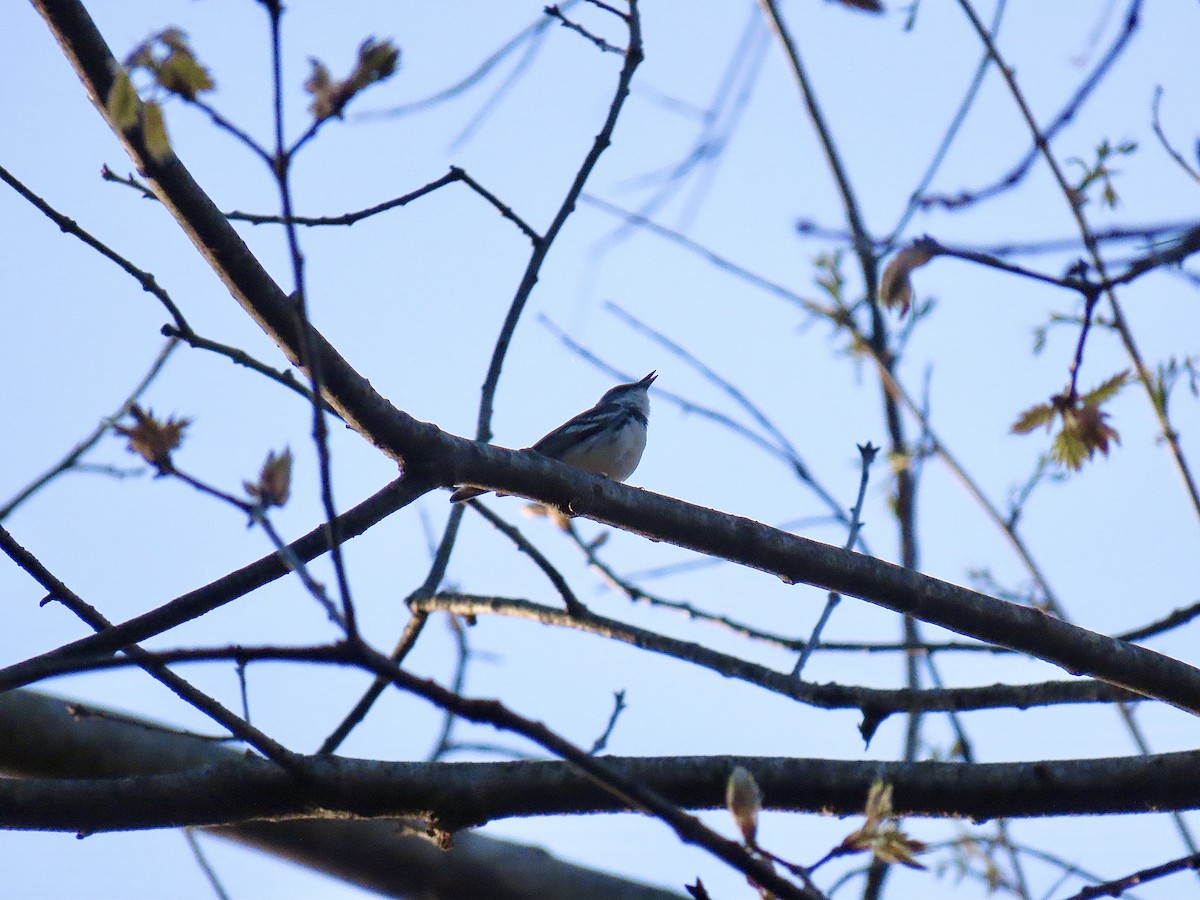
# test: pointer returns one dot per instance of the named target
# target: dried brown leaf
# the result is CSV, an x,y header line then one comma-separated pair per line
x,y
274,485
153,440
895,287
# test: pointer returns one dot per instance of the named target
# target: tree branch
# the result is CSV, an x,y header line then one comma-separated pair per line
x,y
213,785
48,738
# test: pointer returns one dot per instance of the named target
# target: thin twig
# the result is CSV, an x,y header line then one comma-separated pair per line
x,y
224,590
780,447
878,703
633,57
570,599
554,12
455,174
408,638
956,122
1119,886
183,689
619,707
462,656
867,452
1143,374
70,226
718,123
280,166
528,35
72,459
201,858
240,357
1156,124
1069,111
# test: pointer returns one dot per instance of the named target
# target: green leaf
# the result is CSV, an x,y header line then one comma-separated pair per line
x,y
376,61
1032,418
1039,339
181,74
1107,390
154,132
123,101
829,275
1070,450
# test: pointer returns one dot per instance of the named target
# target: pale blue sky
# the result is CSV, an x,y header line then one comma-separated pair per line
x,y
414,299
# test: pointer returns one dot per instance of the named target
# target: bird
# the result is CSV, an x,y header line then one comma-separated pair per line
x,y
607,439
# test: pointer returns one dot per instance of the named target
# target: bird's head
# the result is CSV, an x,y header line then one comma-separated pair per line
x,y
634,394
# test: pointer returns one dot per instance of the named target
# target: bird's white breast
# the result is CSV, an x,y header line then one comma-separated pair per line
x,y
613,454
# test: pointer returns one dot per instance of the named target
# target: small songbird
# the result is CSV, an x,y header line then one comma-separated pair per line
x,y
607,439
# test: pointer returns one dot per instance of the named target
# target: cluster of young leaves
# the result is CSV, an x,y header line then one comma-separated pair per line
x,y
1083,428
879,833
1168,374
377,60
274,485
154,440
1102,172
971,857
832,282
174,68
1041,333
171,62
829,276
